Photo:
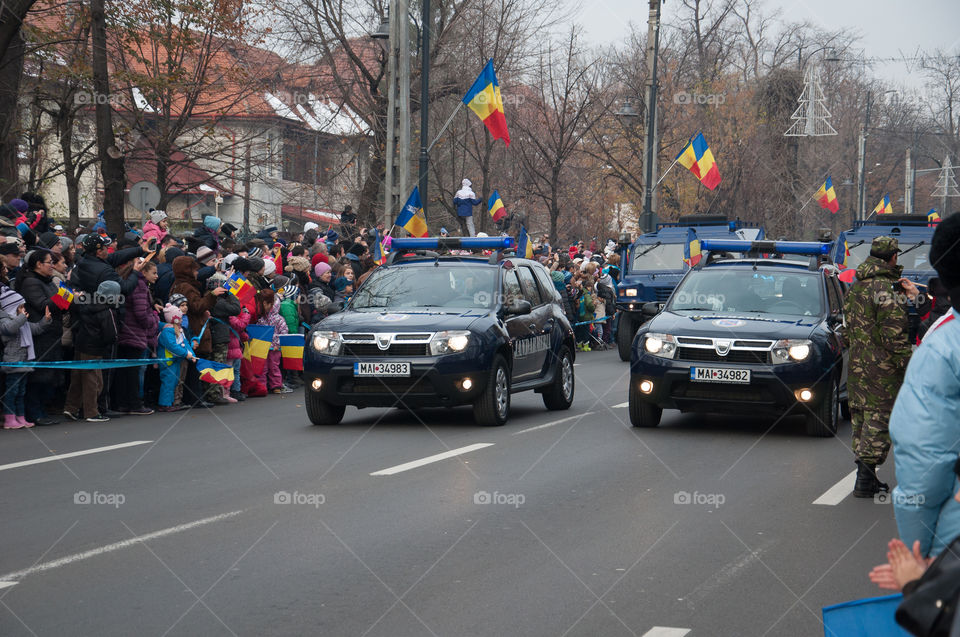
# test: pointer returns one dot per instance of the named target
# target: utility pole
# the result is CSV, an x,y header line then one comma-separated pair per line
x,y
647,222
398,108
424,106
861,159
908,183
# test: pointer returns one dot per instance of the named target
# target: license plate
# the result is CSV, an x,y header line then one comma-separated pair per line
x,y
381,368
720,375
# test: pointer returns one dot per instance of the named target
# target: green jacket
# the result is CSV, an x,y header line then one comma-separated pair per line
x,y
290,314
877,333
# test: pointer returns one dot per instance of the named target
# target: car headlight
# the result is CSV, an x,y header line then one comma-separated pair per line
x,y
630,292
662,345
449,342
791,350
326,342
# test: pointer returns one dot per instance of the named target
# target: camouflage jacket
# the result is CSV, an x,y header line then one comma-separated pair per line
x,y
877,334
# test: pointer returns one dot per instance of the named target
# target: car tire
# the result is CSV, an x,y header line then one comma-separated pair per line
x,y
642,412
625,333
559,395
822,422
845,409
492,408
320,412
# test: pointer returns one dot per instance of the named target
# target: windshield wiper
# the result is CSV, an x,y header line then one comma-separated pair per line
x,y
914,247
858,243
655,245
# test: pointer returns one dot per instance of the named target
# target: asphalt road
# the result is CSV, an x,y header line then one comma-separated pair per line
x,y
246,520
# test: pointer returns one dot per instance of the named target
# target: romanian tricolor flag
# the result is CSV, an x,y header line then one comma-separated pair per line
x,y
827,196
884,207
63,298
258,347
240,288
278,258
484,99
697,158
524,244
495,207
693,253
291,351
379,254
214,372
411,218
933,217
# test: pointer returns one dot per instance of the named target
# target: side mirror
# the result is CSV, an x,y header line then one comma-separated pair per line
x,y
517,307
651,309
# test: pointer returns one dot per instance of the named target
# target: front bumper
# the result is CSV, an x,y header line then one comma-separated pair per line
x,y
772,388
434,381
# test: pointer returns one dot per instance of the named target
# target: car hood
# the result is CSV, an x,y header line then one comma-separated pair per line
x,y
746,325
413,320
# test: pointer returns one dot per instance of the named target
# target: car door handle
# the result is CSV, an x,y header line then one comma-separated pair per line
x,y
548,326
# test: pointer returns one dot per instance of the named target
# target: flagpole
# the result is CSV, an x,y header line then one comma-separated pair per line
x,y
667,170
444,128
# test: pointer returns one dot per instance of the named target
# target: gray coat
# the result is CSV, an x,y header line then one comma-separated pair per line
x,y
13,351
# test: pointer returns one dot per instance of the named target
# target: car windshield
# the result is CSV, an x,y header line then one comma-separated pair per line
x,y
412,287
667,256
917,259
739,290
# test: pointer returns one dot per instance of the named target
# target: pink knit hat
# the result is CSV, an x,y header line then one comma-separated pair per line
x,y
320,268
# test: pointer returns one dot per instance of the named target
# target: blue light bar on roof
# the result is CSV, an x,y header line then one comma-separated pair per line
x,y
454,243
780,247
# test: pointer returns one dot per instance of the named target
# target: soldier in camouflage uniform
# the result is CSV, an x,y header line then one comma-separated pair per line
x,y
877,334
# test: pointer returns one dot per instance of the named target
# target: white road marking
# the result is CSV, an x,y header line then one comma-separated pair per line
x,y
109,548
74,454
835,494
666,631
430,459
550,424
620,406
7,584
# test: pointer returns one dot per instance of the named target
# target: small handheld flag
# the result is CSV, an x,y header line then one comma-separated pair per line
x,y
63,298
827,196
411,217
258,347
697,158
884,207
214,372
291,351
495,207
524,245
693,253
238,285
932,216
484,99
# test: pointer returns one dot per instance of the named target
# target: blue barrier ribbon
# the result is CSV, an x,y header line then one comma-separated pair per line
x,y
93,364
603,320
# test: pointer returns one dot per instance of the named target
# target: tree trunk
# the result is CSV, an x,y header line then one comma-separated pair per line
x,y
11,70
111,169
69,170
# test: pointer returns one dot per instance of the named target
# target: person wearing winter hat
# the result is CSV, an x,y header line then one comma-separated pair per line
x,y
94,329
269,268
156,227
174,346
331,237
298,264
228,230
308,226
254,251
17,334
207,234
465,199
444,233
50,241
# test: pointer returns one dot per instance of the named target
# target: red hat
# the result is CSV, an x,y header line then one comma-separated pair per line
x,y
317,258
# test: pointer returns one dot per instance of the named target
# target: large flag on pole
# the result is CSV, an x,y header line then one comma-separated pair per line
x,y
884,207
495,207
827,196
697,158
484,99
411,217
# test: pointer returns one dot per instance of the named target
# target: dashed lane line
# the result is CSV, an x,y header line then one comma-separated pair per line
x,y
74,454
407,466
835,494
551,424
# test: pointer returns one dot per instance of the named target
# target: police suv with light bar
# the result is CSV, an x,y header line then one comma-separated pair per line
x,y
752,334
431,329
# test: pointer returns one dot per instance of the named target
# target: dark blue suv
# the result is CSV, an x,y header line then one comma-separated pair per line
x,y
429,329
757,335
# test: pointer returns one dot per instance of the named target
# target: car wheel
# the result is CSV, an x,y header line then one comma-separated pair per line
x,y
625,332
845,409
822,421
321,412
559,395
492,408
642,412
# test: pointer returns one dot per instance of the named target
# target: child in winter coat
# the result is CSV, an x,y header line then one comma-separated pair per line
x,y
227,306
17,336
290,311
238,336
269,311
173,345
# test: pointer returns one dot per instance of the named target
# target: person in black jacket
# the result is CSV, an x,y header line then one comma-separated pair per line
x,y
94,335
227,305
97,266
165,276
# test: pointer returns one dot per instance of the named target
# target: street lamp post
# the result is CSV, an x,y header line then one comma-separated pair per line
x,y
424,105
649,184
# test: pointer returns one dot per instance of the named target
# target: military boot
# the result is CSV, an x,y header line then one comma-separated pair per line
x,y
868,484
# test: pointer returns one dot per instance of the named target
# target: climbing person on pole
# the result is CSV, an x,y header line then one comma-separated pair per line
x,y
465,199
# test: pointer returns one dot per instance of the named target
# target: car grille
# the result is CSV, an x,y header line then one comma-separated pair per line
x,y
396,349
398,386
712,391
703,355
662,294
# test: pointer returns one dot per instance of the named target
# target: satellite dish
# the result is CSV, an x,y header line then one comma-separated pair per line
x,y
144,195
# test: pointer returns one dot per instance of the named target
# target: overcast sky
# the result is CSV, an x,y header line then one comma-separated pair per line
x,y
888,28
